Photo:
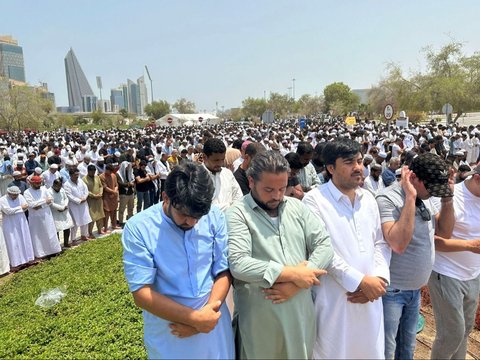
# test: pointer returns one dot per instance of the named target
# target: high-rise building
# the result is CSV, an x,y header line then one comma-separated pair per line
x,y
11,60
80,94
142,94
116,99
133,97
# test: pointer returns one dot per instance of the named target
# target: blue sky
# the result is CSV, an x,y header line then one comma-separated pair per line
x,y
224,51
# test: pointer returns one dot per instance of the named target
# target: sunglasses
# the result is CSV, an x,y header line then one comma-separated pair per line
x,y
424,212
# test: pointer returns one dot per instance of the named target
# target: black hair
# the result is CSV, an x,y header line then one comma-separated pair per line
x,y
294,160
109,167
214,145
237,144
317,158
253,148
91,168
73,171
343,148
189,187
57,182
304,147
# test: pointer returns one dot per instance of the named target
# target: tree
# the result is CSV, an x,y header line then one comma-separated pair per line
x,y
340,99
310,105
281,105
22,107
98,117
124,112
450,77
183,106
157,109
252,107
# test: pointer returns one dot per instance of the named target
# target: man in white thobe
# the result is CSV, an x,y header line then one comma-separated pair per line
x,y
227,190
374,181
15,227
50,175
348,304
77,192
40,219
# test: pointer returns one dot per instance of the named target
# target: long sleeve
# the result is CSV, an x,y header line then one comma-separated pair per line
x,y
71,195
242,265
7,210
318,241
32,203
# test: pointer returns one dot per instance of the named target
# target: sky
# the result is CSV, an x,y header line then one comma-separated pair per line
x,y
217,53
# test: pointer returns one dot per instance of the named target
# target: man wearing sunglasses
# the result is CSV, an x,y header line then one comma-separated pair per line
x,y
409,222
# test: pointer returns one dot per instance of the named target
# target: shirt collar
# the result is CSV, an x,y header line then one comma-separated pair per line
x,y
337,194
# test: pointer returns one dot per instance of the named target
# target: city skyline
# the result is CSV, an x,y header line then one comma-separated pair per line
x,y
213,52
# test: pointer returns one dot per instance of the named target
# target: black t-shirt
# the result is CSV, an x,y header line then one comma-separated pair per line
x,y
145,186
241,177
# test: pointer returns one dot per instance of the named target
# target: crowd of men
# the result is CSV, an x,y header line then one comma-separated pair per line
x,y
358,218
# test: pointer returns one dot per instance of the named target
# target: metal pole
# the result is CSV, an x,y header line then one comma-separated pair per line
x,y
293,80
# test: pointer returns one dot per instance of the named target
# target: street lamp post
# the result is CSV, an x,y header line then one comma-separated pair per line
x,y
293,87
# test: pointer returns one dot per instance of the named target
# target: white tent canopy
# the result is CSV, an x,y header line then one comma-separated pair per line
x,y
187,120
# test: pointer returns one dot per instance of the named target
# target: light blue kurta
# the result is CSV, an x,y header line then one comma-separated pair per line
x,y
181,265
258,251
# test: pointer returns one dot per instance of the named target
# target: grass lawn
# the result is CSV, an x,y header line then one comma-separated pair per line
x,y
96,319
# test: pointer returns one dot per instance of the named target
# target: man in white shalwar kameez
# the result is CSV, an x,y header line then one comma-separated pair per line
x,y
77,192
348,304
15,227
40,219
4,259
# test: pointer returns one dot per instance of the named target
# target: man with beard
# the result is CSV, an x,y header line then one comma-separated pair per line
x,y
40,219
374,181
227,190
348,304
277,250
175,260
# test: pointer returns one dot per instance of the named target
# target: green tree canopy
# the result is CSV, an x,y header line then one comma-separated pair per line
x,y
157,109
310,105
450,77
22,107
340,99
281,105
183,106
254,107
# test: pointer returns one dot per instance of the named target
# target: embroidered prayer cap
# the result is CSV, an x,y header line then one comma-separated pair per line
x,y
14,190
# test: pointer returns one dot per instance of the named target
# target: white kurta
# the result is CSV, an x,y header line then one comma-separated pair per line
x,y
347,330
61,216
40,222
16,231
78,210
227,190
4,259
49,178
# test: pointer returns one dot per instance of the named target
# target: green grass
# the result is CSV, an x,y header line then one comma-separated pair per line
x,y
96,319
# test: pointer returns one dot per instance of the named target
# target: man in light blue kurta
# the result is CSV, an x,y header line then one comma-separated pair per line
x,y
175,257
276,248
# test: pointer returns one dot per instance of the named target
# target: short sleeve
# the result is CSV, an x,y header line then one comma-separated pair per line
x,y
137,260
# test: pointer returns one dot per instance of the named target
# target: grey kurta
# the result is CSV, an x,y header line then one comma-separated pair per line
x,y
258,251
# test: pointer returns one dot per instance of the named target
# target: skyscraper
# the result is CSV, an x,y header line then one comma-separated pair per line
x,y
142,93
80,94
11,60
